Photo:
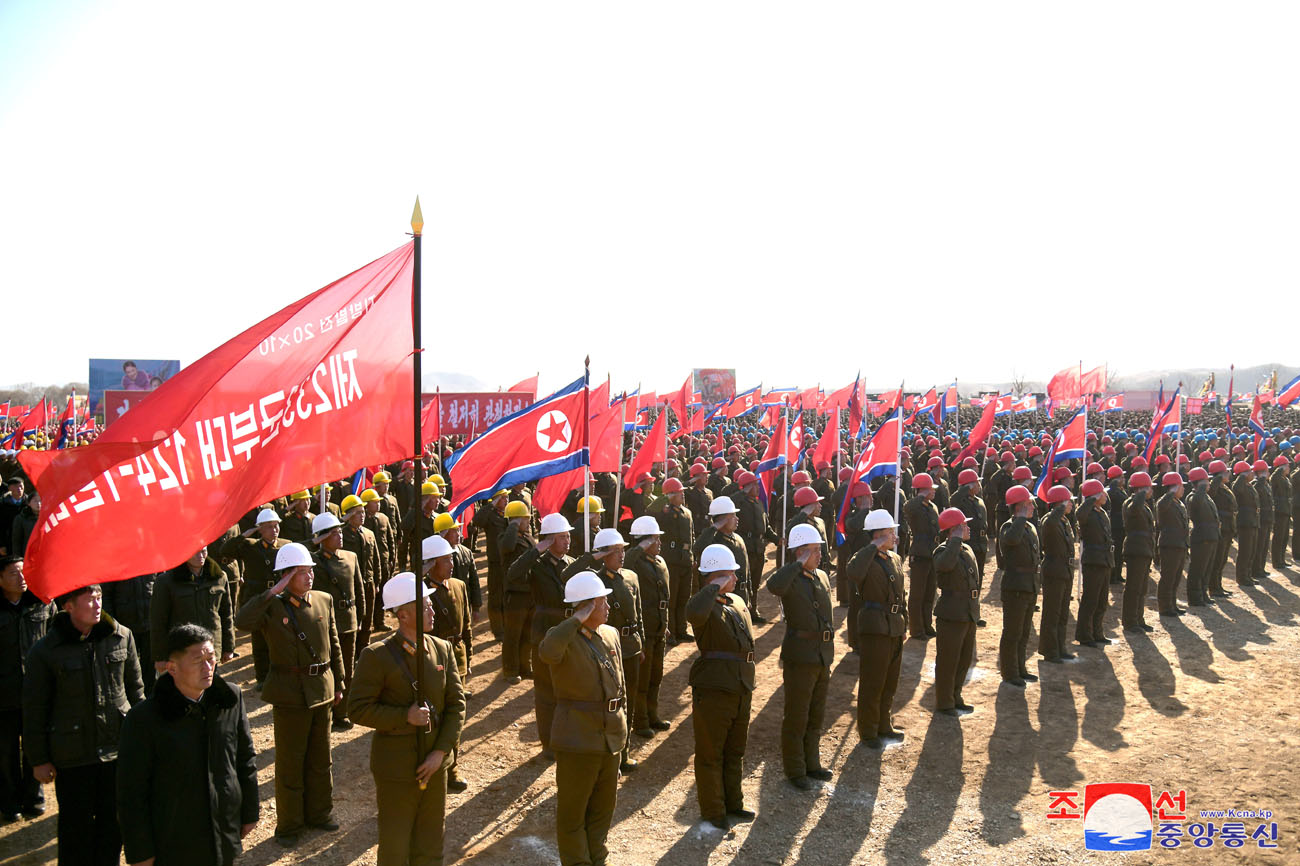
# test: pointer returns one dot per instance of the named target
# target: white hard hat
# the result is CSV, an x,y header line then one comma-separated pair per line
x,y
291,556
324,523
584,586
434,547
267,515
607,538
554,523
722,505
645,525
804,533
717,557
879,519
400,590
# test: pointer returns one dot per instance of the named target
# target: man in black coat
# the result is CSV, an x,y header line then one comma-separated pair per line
x,y
187,781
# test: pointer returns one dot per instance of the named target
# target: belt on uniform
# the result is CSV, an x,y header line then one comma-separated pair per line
x,y
453,638
663,604
629,630
610,706
825,636
555,611
731,657
871,605
343,602
302,670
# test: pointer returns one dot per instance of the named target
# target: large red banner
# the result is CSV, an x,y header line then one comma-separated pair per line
x,y
310,393
468,413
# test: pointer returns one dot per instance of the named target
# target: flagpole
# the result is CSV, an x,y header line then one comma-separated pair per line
x,y
785,485
665,411
417,348
586,474
618,488
898,454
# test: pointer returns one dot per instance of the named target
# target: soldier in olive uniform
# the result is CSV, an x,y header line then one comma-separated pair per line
x,y
967,498
677,523
1172,518
491,520
1204,516
1281,483
1243,488
414,735
957,612
338,575
1139,549
923,519
1019,546
590,726
463,568
517,614
651,571
809,510
1057,536
417,525
1116,495
386,538
1264,538
540,568
877,576
1226,503
755,530
722,686
196,591
306,677
698,498
255,550
1097,555
807,651
450,602
725,520
363,543
999,484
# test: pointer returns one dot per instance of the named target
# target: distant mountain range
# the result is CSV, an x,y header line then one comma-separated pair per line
x,y
1247,379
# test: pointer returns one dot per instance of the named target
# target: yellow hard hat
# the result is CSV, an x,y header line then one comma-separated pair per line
x,y
383,478
370,495
301,494
516,509
349,502
500,493
443,522
437,479
591,505
430,489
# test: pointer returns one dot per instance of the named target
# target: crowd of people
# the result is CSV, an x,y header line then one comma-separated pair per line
x,y
113,694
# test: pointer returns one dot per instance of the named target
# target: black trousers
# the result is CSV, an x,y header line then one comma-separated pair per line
x,y
88,831
19,789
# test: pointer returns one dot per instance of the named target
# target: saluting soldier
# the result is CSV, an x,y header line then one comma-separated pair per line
x,y
540,567
463,568
967,498
306,677
1139,549
807,651
255,550
1226,503
1057,535
957,612
389,507
645,561
363,543
722,686
698,497
338,575
724,516
999,484
1019,545
296,525
386,537
755,530
1116,494
517,615
1281,483
1097,555
923,519
1243,488
809,506
589,730
451,622
1264,539
1204,516
677,522
1172,516
877,575
492,522
417,525
414,734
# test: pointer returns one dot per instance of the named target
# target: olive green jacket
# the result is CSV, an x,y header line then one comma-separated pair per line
x,y
590,693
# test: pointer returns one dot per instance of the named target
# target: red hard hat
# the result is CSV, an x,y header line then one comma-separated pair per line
x,y
905,452
931,442
1130,446
860,488
1114,472
950,517
753,466
1019,449
672,450
1140,479
993,452
1094,469
1238,449
1220,453
1106,440
968,476
1204,455
1183,458
846,473
805,496
921,481
1240,466
1161,459
672,485
1260,466
801,477
1217,466
750,452
1092,487
1017,495
969,463
823,464
1007,455
698,460
1171,479
697,469
1108,450
1035,452
744,477
936,452
934,462
1280,460
733,449
1198,474
1021,473
1139,462
1061,472
1056,493
718,463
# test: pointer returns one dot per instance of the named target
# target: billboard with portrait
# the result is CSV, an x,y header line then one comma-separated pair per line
x,y
715,384
127,374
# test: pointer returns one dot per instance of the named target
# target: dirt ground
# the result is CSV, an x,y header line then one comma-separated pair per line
x,y
1206,703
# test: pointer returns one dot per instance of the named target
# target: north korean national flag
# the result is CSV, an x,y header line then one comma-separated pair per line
x,y
879,457
1113,403
546,438
1290,391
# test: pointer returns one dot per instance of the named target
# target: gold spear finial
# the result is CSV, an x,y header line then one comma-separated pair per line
x,y
417,218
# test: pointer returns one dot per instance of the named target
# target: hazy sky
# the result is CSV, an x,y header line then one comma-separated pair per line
x,y
796,190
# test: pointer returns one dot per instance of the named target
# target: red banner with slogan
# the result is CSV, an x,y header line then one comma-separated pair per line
x,y
468,413
309,393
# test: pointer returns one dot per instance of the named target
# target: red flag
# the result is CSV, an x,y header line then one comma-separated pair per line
x,y
979,434
34,419
879,457
679,400
606,436
274,410
720,450
1093,381
829,445
1064,385
551,490
855,410
651,452
647,399
811,399
771,460
546,438
68,423
527,386
431,420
